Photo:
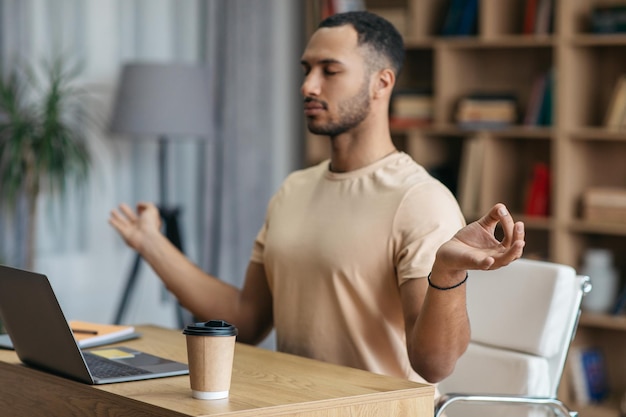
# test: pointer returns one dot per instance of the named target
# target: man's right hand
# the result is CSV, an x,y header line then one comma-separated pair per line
x,y
136,227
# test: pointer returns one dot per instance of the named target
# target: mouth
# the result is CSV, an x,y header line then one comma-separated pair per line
x,y
313,107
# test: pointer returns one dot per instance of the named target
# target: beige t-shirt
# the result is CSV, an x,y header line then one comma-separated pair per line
x,y
337,246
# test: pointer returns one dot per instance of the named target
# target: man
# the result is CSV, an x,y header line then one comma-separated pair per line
x,y
340,266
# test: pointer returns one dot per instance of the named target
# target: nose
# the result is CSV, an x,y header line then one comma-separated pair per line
x,y
310,85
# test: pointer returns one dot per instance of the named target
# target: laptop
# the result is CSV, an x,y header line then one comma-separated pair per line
x,y
43,339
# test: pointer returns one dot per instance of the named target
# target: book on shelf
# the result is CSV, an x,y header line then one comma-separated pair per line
x,y
538,17
530,17
538,195
604,204
469,19
461,18
620,303
331,7
486,110
608,19
539,108
471,174
544,20
536,98
616,112
411,108
545,115
589,375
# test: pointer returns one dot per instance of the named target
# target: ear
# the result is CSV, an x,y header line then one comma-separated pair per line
x,y
383,83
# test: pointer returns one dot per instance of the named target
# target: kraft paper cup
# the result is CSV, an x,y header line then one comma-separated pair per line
x,y
210,352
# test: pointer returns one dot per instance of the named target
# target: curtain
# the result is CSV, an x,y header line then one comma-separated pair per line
x,y
223,184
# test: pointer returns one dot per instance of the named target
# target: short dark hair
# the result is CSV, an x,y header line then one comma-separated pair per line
x,y
373,31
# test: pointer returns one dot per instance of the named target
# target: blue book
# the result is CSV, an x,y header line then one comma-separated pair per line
x,y
595,372
468,22
452,19
545,112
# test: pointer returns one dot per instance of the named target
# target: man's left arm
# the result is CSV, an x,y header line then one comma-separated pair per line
x,y
436,321
437,327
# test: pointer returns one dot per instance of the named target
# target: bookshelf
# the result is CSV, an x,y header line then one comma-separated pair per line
x,y
579,151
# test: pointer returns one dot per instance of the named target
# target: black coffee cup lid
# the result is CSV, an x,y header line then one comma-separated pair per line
x,y
211,328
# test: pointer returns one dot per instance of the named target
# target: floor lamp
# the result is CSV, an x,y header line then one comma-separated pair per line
x,y
162,101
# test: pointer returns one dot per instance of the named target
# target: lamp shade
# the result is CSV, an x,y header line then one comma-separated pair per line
x,y
161,99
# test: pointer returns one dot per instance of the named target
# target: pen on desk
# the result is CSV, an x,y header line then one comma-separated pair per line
x,y
83,331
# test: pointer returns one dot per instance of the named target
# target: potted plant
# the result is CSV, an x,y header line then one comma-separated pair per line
x,y
42,144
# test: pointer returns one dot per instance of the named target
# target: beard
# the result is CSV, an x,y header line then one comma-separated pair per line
x,y
351,113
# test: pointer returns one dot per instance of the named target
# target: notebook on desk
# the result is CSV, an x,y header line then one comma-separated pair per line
x,y
43,339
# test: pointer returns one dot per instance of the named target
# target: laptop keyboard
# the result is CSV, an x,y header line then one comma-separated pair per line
x,y
106,368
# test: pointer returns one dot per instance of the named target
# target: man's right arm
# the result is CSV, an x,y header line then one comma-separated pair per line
x,y
248,308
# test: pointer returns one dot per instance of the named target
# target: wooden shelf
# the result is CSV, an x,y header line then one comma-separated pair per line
x,y
603,321
590,40
510,41
598,133
614,229
608,409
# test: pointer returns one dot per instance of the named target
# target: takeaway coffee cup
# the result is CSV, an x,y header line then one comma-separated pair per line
x,y
210,351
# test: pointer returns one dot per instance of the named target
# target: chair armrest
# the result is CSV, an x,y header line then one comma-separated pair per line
x,y
552,403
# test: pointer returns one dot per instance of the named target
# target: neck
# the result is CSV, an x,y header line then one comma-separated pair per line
x,y
360,147
350,155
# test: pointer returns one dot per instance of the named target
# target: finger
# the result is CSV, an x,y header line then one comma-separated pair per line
x,y
500,214
514,252
145,206
119,223
128,212
492,217
519,231
507,224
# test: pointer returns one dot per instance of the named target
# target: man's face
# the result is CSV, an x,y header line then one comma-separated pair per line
x,y
336,83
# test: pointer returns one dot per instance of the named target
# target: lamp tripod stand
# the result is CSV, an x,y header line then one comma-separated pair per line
x,y
169,216
166,99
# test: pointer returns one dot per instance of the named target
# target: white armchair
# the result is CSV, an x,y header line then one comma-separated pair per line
x,y
523,319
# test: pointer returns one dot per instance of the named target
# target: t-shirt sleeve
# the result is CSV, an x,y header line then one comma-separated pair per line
x,y
258,248
428,216
259,245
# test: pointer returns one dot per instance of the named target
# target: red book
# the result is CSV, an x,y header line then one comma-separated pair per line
x,y
538,199
530,14
328,8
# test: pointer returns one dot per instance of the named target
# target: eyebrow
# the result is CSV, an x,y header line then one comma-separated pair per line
x,y
322,61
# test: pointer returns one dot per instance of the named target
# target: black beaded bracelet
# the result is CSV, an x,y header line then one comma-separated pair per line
x,y
447,288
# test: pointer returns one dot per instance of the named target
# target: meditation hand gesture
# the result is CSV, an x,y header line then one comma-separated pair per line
x,y
136,228
475,246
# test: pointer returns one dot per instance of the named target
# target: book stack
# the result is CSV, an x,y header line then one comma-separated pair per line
x,y
486,111
411,109
616,112
605,204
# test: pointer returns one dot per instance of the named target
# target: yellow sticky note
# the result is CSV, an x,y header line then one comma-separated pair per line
x,y
112,353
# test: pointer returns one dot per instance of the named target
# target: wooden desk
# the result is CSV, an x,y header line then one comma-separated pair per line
x,y
264,383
